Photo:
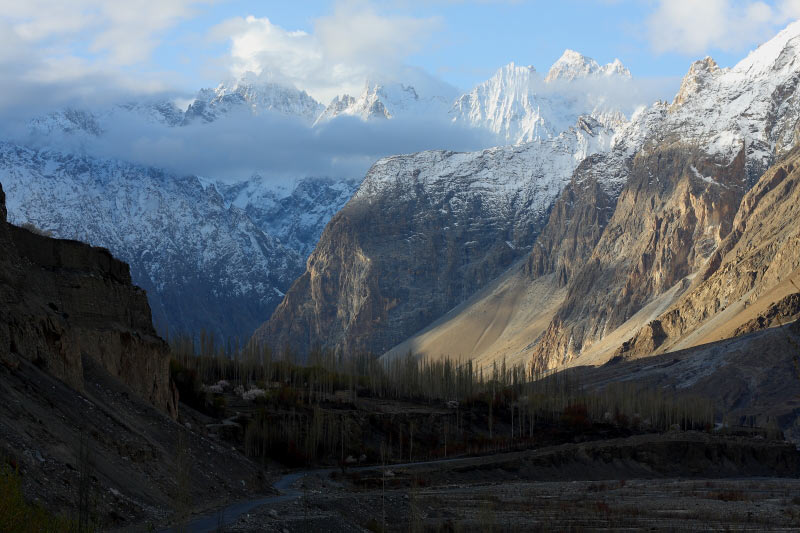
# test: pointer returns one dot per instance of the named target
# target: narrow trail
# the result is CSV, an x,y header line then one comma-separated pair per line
x,y
228,515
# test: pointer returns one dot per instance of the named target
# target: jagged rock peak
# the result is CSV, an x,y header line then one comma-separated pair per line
x,y
698,76
574,65
384,100
259,94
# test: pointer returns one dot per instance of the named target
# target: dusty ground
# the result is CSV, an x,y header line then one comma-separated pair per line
x,y
760,504
547,490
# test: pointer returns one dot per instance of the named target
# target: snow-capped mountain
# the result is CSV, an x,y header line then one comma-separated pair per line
x,y
573,65
423,232
677,213
295,214
668,181
220,254
385,100
518,105
755,104
204,262
255,95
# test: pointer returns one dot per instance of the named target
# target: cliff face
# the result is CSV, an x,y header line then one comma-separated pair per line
x,y
676,208
753,277
423,233
62,301
575,225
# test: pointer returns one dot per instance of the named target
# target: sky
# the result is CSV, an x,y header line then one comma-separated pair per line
x,y
70,52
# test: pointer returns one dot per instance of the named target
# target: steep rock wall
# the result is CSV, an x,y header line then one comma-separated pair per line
x,y
423,233
61,301
676,208
761,252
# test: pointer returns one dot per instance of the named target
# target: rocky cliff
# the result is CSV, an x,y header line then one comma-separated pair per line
x,y
752,280
667,222
575,225
63,301
422,234
723,130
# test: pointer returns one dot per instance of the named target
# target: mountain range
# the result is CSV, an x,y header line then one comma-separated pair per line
x,y
219,254
678,230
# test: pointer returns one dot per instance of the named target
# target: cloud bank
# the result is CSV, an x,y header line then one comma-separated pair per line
x,y
354,42
275,146
694,27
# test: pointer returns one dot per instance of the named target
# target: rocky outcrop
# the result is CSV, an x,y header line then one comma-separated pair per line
x,y
62,301
668,221
779,313
575,225
761,252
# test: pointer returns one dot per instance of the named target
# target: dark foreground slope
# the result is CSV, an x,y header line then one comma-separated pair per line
x,y
61,300
132,451
85,388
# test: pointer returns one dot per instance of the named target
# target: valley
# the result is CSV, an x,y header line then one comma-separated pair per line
x,y
251,311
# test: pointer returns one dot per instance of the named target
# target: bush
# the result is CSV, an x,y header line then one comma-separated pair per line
x,y
34,229
18,515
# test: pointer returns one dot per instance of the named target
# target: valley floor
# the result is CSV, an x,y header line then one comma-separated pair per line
x,y
757,504
680,481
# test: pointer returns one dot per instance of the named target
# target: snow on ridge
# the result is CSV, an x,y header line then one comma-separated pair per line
x,y
724,110
768,55
536,171
573,65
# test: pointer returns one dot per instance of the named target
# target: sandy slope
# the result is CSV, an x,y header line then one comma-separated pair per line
x,y
502,320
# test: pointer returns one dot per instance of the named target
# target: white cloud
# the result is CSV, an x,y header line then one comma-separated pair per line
x,y
346,46
694,27
55,53
123,32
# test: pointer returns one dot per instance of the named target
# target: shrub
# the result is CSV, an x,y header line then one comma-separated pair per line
x,y
18,515
34,229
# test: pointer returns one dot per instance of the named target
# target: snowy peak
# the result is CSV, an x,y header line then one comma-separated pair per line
x,y
511,85
751,107
573,65
779,54
383,101
256,95
507,105
518,105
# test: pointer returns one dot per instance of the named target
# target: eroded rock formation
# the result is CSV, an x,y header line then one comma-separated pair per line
x,y
62,301
760,255
667,223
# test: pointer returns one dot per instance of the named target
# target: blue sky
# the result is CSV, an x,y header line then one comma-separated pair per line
x,y
181,45
468,41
